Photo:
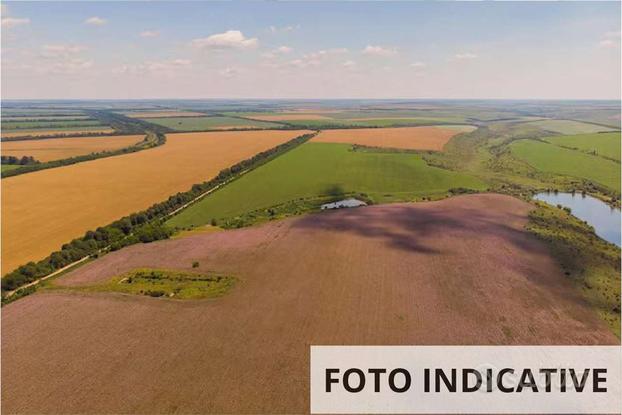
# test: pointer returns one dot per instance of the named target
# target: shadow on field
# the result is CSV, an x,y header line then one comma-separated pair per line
x,y
417,227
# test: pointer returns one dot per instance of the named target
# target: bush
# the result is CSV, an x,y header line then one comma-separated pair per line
x,y
195,264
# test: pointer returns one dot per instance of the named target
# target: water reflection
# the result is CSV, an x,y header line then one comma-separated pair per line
x,y
604,218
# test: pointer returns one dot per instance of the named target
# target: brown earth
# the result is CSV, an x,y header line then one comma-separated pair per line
x,y
61,148
457,271
43,210
410,138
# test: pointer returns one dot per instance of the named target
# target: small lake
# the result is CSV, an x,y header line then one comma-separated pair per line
x,y
346,203
604,219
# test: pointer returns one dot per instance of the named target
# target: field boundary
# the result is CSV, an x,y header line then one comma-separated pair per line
x,y
131,229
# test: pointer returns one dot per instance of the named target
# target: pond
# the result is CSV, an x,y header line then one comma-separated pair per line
x,y
604,218
346,203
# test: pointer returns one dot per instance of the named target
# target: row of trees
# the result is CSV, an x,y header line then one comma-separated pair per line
x,y
145,226
21,161
152,140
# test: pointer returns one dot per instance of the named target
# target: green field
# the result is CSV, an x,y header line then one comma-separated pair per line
x,y
48,124
553,159
601,144
322,169
207,123
568,127
8,167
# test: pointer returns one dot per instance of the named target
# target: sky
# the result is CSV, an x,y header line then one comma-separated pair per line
x,y
472,50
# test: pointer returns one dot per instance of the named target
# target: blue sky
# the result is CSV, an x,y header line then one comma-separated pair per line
x,y
310,50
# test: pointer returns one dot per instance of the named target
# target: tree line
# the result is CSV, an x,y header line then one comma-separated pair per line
x,y
145,226
152,140
21,161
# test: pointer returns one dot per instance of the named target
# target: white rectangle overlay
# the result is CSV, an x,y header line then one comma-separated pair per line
x,y
337,371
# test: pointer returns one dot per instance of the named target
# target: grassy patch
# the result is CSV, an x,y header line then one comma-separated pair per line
x,y
553,159
9,167
569,127
207,123
601,144
316,170
166,283
590,262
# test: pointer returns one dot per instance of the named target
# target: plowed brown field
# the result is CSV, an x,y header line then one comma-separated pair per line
x,y
458,271
410,138
61,148
44,209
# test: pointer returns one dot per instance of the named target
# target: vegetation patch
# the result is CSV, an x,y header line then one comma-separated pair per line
x,y
550,158
167,283
590,262
570,127
605,145
209,123
325,170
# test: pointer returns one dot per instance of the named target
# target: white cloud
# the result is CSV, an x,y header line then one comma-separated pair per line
x,y
612,35
231,39
281,50
465,56
166,67
69,66
96,21
229,72
607,43
284,29
149,33
379,51
60,50
610,40
349,64
284,49
11,22
418,65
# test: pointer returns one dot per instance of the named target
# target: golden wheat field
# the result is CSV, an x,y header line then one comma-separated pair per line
x,y
409,138
62,148
44,209
40,133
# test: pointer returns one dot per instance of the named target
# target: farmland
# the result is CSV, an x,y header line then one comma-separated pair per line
x,y
162,114
558,160
65,131
401,274
326,169
601,144
61,148
114,187
412,138
208,123
570,127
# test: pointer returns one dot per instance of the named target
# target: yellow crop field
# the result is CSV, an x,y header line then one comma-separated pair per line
x,y
44,209
40,133
61,148
411,138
